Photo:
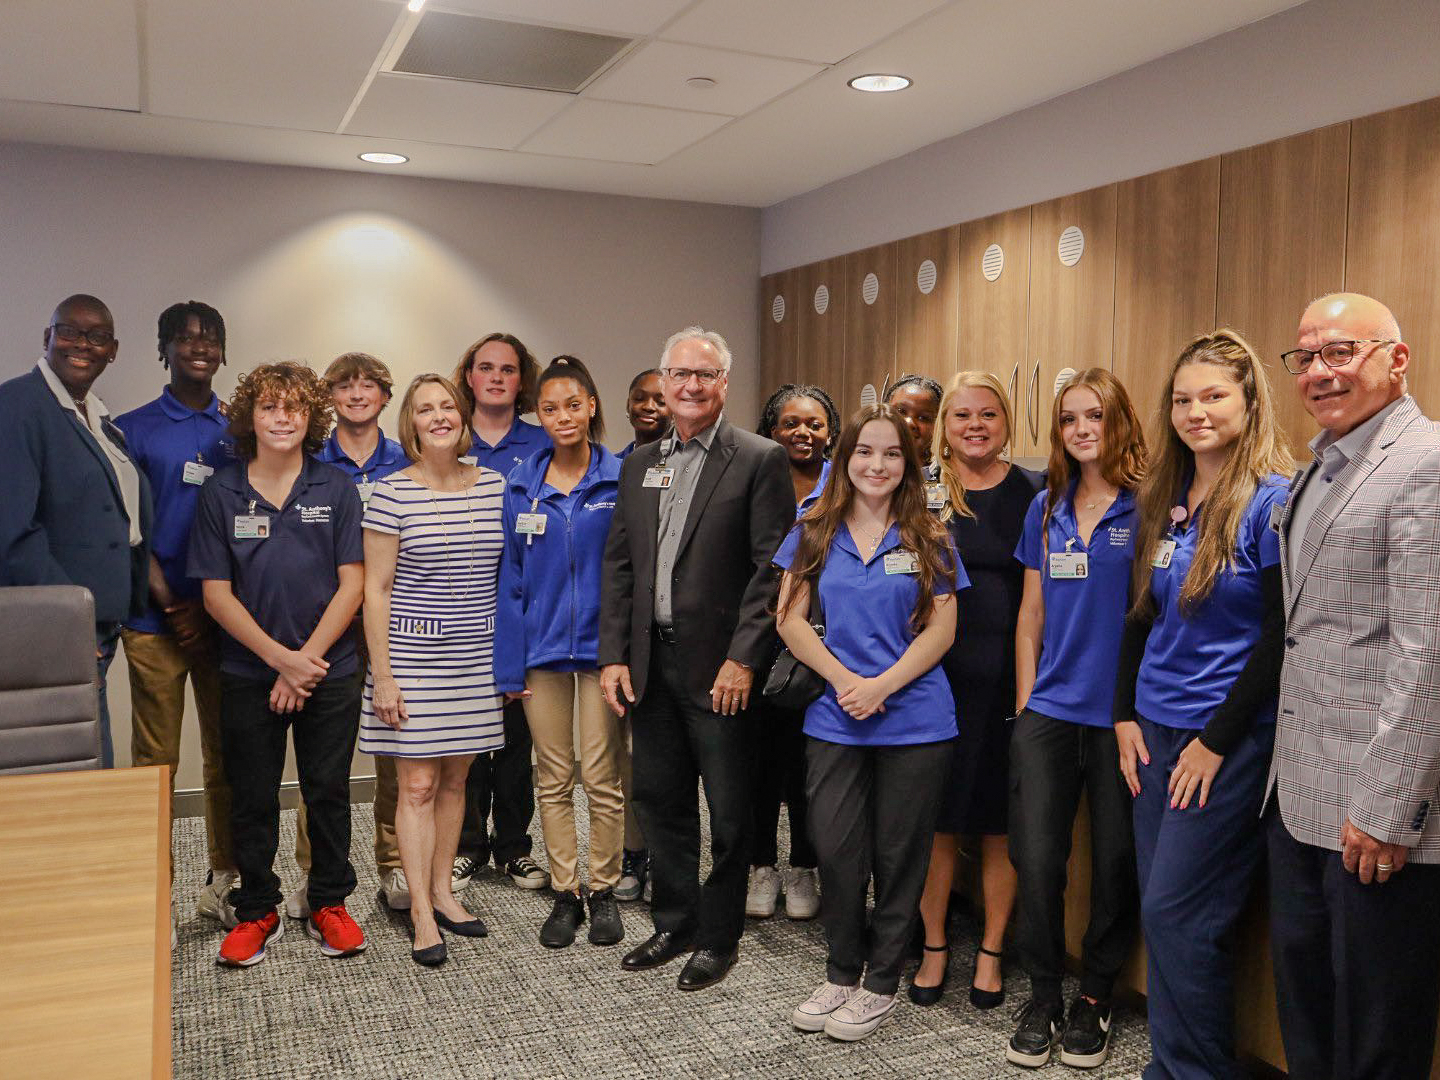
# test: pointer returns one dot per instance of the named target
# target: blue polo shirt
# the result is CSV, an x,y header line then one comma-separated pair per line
x,y
867,627
387,458
1084,617
814,496
1191,661
164,437
286,580
522,441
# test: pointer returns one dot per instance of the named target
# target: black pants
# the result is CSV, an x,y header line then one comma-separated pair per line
x,y
1051,763
1357,967
501,783
677,744
873,810
778,744
253,741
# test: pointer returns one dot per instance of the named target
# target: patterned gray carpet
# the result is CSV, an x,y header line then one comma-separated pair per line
x,y
505,1007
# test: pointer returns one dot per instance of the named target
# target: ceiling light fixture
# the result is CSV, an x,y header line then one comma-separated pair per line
x,y
700,82
415,5
878,84
384,159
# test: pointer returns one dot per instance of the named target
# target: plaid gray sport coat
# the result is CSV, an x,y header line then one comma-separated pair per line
x,y
1358,730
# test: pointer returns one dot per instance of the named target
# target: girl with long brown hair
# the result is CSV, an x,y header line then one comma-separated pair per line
x,y
880,571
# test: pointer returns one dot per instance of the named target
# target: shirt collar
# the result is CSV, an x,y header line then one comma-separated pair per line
x,y
507,437
93,405
175,409
333,452
1349,444
846,542
705,438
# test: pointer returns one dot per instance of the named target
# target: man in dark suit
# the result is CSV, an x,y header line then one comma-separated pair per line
x,y
76,510
684,624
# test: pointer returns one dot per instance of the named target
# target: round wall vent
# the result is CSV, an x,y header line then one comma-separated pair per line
x,y
925,277
822,300
870,288
1072,245
1063,376
777,308
868,397
992,262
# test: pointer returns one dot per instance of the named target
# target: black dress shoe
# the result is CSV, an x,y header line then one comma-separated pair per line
x,y
706,967
558,930
468,928
432,956
930,995
659,948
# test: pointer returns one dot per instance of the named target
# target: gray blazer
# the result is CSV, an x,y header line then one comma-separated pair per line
x,y
1358,732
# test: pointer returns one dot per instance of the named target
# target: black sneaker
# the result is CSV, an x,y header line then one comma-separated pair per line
x,y
1086,1042
558,931
605,925
526,874
1037,1033
634,869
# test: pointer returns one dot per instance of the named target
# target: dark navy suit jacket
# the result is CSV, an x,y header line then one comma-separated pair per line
x,y
62,518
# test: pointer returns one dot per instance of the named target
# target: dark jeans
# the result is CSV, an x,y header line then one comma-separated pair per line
x,y
106,637
501,783
873,809
253,741
1357,967
1051,763
1196,869
779,747
677,744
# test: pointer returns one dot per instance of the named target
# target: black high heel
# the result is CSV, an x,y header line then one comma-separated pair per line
x,y
985,999
929,995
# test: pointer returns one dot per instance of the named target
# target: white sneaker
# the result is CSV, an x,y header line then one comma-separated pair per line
x,y
214,899
802,893
859,1016
810,1014
297,903
396,890
763,893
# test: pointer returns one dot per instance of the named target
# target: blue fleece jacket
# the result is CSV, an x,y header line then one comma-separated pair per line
x,y
549,607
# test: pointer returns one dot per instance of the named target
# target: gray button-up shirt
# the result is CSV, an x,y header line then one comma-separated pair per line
x,y
687,459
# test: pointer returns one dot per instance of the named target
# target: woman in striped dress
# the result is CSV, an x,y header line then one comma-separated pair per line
x,y
432,554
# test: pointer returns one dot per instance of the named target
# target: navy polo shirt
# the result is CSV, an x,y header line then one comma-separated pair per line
x,y
162,438
1084,617
867,628
520,442
387,458
1192,661
286,580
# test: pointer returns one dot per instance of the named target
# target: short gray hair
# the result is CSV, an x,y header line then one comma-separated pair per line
x,y
696,333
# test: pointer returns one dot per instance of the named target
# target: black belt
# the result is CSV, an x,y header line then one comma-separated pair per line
x,y
666,634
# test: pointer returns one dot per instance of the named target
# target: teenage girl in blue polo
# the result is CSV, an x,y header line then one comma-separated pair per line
x,y
1195,700
879,739
1077,546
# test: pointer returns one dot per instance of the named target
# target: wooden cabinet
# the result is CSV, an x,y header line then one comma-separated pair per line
x,y
820,323
1282,243
1072,303
779,313
994,260
870,306
1166,245
928,304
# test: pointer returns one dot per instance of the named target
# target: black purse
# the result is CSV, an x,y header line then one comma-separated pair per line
x,y
792,685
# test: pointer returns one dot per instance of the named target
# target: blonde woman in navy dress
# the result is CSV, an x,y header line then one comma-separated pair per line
x,y
432,555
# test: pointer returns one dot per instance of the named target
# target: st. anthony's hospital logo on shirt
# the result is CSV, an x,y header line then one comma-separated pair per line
x,y
313,515
1119,536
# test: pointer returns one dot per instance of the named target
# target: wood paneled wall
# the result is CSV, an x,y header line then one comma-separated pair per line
x,y
925,330
994,315
869,326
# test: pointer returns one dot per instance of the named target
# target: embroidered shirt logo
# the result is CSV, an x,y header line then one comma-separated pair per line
x,y
1119,536
313,515
604,505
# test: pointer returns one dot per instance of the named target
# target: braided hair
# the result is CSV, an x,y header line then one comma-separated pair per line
x,y
770,415
174,318
924,382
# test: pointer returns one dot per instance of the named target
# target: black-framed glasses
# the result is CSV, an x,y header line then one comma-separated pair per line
x,y
71,334
1336,354
680,376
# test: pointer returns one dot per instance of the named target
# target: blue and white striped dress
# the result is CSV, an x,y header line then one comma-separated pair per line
x,y
442,617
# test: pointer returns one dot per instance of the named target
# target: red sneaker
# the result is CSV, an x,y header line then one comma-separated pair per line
x,y
245,945
336,931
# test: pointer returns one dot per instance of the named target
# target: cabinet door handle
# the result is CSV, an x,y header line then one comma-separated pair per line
x,y
1014,383
1035,419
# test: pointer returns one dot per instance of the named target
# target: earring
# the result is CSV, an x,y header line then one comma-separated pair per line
x,y
945,450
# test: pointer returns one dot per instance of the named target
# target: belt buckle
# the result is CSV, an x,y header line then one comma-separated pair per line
x,y
665,634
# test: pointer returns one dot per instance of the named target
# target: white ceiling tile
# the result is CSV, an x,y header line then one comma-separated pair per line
x,y
449,111
610,131
70,52
634,17
275,63
655,74
825,31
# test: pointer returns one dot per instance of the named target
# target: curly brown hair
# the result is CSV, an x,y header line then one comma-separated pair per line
x,y
289,383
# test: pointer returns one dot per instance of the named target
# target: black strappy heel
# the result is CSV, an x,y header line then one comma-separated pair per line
x,y
985,999
930,995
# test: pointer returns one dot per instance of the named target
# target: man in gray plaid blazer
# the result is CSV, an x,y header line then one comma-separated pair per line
x,y
1355,844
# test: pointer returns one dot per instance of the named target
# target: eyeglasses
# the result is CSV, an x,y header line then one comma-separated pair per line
x,y
71,334
680,375
1336,354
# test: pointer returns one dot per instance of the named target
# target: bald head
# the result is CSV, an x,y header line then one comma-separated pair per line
x,y
82,302
1359,315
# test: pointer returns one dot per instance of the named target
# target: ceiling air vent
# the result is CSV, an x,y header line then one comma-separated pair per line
x,y
451,46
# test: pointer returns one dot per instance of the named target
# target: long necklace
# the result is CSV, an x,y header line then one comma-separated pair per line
x,y
445,537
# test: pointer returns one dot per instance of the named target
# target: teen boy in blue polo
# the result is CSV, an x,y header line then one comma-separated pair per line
x,y
277,544
178,441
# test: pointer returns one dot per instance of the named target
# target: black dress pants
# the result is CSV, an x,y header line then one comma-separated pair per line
x,y
778,745
1357,967
501,784
678,744
252,738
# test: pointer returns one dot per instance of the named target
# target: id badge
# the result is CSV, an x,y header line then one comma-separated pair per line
x,y
936,496
195,473
1068,565
659,476
1277,511
366,490
252,526
901,562
530,524
1163,554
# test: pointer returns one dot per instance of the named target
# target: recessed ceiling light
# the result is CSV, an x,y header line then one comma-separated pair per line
x,y
384,159
878,84
700,82
415,5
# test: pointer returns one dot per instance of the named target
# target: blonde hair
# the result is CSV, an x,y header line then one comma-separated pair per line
x,y
940,449
410,436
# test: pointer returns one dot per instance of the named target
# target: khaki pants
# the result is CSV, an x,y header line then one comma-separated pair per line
x,y
158,669
559,702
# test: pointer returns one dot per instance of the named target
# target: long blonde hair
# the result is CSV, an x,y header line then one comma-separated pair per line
x,y
1259,451
1122,441
940,450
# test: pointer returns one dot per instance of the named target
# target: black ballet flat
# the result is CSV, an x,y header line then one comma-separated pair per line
x,y
433,956
930,995
471,928
985,999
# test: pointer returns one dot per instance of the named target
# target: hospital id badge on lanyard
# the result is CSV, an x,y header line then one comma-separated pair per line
x,y
366,488
1069,565
659,476
936,496
252,526
196,472
901,562
530,525
1165,552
